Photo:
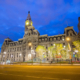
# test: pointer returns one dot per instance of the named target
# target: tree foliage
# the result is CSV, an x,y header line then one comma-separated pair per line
x,y
40,51
58,50
55,51
77,47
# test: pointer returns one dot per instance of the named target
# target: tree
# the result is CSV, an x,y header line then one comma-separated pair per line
x,y
40,51
54,51
59,51
65,52
59,47
51,51
77,47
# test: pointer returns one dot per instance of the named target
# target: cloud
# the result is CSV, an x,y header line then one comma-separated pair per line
x,y
48,16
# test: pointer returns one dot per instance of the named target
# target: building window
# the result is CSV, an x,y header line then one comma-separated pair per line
x,y
29,34
50,39
51,45
20,48
45,39
70,34
10,55
15,49
10,49
29,47
17,54
63,43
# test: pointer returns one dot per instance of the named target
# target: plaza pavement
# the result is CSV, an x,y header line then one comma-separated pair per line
x,y
26,72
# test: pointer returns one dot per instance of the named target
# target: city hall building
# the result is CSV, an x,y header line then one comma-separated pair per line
x,y
24,49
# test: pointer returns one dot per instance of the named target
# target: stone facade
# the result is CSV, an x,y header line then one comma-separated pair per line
x,y
21,50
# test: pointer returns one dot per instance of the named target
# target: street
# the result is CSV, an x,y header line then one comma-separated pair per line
x,y
24,72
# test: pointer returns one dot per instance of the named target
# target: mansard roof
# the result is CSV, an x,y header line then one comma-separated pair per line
x,y
8,39
57,35
43,35
68,28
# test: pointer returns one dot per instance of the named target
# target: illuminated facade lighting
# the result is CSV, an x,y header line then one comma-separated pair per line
x,y
67,39
30,44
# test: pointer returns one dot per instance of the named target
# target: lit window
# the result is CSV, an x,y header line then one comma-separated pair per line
x,y
63,39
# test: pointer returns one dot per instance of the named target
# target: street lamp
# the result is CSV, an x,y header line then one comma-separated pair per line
x,y
64,46
63,39
54,44
59,53
32,52
67,39
76,51
4,52
29,43
20,54
29,56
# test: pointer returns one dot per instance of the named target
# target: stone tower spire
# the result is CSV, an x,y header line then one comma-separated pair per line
x,y
28,21
28,17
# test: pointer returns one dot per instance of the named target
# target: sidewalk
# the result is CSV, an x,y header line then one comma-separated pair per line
x,y
51,64
44,64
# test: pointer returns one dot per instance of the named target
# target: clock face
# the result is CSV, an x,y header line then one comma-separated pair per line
x,y
31,23
27,22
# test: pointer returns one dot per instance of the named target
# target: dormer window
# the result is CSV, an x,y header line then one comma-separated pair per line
x,y
70,34
50,39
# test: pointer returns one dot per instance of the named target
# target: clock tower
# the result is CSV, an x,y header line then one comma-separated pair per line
x,y
29,28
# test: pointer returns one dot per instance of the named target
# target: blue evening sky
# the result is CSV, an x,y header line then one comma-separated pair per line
x,y
48,16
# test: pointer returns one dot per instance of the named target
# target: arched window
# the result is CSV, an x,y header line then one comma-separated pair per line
x,y
29,47
29,34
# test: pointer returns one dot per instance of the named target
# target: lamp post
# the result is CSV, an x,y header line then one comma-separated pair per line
x,y
4,52
30,44
68,39
33,53
20,56
76,55
4,56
